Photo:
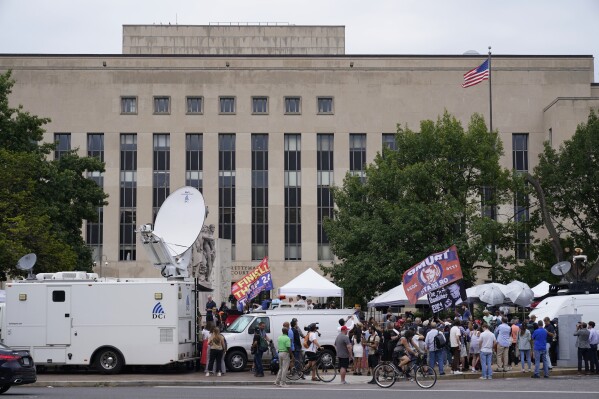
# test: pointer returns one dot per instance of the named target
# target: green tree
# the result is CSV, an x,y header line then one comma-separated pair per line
x,y
417,200
569,178
42,202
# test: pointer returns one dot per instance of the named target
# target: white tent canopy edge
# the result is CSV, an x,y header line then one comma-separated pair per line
x,y
310,283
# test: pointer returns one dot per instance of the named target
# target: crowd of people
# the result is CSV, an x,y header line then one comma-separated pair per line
x,y
461,343
464,344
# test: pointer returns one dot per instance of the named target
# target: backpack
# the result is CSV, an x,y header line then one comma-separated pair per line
x,y
439,340
306,344
263,344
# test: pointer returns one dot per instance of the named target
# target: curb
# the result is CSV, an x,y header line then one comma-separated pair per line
x,y
199,382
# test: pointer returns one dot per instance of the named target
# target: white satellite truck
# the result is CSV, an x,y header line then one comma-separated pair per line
x,y
78,318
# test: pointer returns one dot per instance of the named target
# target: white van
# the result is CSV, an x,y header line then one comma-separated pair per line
x,y
586,305
240,334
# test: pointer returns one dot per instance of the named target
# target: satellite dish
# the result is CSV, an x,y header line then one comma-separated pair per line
x,y
561,268
180,219
27,262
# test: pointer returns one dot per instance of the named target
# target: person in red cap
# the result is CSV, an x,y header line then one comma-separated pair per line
x,y
344,352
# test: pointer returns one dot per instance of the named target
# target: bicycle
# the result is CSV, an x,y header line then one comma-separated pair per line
x,y
386,373
325,368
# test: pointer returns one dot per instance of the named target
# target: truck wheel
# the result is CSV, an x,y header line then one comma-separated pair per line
x,y
236,360
328,357
109,361
4,388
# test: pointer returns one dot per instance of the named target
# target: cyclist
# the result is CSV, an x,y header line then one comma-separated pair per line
x,y
312,348
405,352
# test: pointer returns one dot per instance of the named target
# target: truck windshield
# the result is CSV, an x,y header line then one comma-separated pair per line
x,y
240,324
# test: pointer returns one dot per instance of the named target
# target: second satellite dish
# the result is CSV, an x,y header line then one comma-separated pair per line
x,y
180,219
27,262
561,268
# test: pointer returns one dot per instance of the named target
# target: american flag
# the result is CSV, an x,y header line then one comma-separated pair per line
x,y
476,75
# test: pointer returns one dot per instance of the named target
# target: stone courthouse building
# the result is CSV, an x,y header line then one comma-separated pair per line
x,y
264,119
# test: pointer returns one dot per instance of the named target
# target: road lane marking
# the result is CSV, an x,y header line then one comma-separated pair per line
x,y
354,388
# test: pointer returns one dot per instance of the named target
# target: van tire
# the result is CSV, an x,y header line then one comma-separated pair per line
x,y
328,356
109,361
236,360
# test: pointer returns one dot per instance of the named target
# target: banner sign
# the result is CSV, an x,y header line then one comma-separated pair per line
x,y
436,271
447,297
256,281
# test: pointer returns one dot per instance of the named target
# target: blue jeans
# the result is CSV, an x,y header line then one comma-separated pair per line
x,y
541,355
258,369
486,360
525,354
436,357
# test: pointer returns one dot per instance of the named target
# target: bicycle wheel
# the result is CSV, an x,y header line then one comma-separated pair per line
x,y
296,370
384,375
325,372
425,377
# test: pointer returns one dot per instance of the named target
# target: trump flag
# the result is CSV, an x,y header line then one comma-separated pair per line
x,y
253,283
436,271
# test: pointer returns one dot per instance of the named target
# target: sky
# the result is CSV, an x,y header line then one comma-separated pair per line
x,y
549,27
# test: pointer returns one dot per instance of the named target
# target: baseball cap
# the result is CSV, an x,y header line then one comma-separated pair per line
x,y
344,328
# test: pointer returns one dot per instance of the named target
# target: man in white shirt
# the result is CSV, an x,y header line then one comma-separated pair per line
x,y
487,342
456,343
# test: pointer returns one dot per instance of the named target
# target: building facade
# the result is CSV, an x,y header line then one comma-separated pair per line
x,y
264,125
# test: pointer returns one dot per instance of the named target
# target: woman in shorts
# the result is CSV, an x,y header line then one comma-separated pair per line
x,y
474,347
358,349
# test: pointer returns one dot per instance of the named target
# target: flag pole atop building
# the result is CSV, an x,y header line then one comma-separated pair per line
x,y
477,75
490,96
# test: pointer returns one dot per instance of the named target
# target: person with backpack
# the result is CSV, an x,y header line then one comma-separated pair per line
x,y
311,345
259,346
435,346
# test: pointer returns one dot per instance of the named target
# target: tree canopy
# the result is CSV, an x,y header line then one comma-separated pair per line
x,y
419,199
42,202
569,178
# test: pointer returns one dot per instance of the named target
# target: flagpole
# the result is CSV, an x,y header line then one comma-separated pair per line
x,y
490,96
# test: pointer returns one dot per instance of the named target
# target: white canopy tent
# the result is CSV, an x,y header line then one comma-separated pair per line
x,y
394,297
310,283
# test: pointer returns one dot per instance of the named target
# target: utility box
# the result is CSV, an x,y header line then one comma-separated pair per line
x,y
567,355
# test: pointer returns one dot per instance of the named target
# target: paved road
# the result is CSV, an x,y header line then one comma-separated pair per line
x,y
566,387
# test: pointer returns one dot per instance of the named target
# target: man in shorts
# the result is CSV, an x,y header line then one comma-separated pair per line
x,y
344,352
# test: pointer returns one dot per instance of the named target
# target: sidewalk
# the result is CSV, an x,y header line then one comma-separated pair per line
x,y
89,379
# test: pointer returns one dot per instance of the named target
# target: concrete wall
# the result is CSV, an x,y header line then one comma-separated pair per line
x,y
233,39
372,94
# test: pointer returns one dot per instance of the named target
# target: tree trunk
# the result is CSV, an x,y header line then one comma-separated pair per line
x,y
555,241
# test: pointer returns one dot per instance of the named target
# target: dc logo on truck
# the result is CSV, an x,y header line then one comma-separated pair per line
x,y
158,312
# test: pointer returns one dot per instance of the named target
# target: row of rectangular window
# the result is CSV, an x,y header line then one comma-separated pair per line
x,y
227,105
